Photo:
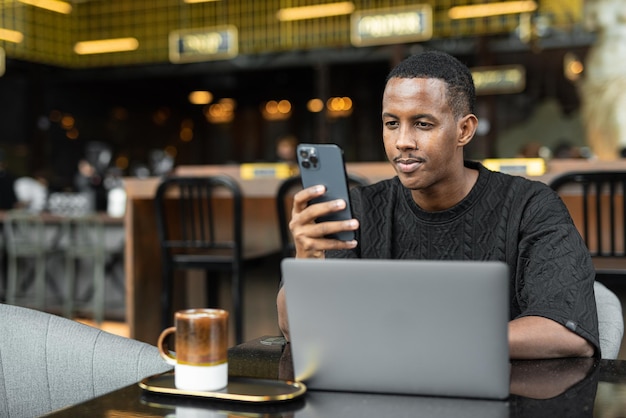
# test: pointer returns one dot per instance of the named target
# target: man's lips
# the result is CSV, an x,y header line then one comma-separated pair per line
x,y
408,165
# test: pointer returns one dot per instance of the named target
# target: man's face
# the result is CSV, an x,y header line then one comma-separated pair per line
x,y
420,132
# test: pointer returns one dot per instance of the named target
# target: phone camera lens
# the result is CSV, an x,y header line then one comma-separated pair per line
x,y
306,164
304,153
314,159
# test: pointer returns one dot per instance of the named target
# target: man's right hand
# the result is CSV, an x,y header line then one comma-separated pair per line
x,y
309,236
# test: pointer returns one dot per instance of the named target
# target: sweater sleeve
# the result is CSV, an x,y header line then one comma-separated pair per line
x,y
555,274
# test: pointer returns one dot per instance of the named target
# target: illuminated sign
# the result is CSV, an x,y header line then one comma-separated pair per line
x,y
499,80
192,45
249,171
517,166
391,25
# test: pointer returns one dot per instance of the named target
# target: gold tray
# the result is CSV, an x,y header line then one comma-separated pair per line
x,y
241,389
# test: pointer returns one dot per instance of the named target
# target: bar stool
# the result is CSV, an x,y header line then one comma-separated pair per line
x,y
25,239
86,243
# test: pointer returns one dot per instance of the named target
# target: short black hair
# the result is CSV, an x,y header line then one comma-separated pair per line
x,y
437,64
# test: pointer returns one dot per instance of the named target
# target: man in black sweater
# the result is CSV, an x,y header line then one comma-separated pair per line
x,y
440,206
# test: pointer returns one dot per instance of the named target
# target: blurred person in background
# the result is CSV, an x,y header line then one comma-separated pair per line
x,y
32,192
286,149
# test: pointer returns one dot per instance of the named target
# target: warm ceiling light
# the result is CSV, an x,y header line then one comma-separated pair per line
x,y
200,97
491,9
315,105
11,35
314,12
284,106
572,66
104,46
52,5
198,1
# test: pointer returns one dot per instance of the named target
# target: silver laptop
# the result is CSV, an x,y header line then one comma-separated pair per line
x,y
421,327
326,404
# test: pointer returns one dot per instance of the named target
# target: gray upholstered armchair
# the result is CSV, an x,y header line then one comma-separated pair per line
x,y
610,321
48,362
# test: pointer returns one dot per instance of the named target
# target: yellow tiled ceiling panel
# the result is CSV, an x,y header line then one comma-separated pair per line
x,y
49,37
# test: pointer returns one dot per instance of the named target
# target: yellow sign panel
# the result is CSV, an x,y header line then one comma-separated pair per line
x,y
517,166
250,171
391,25
499,80
193,45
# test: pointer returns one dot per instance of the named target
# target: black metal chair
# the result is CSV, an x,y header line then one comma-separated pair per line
x,y
192,236
284,201
597,203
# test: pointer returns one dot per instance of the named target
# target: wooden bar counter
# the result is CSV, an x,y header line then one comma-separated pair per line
x,y
142,255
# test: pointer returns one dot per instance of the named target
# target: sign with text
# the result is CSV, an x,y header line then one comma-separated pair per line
x,y
499,80
392,25
193,45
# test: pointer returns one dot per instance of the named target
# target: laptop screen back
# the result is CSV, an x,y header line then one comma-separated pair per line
x,y
400,326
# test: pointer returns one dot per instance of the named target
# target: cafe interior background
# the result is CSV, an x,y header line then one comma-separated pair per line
x,y
139,87
81,76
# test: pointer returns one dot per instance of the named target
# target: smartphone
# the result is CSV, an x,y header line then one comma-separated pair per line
x,y
324,164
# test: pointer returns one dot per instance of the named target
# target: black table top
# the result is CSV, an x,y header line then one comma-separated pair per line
x,y
544,388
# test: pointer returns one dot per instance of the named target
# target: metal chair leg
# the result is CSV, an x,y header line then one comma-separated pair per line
x,y
12,281
99,288
212,288
166,298
237,297
70,286
40,281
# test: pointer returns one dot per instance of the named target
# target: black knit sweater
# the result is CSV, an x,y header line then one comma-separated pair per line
x,y
506,218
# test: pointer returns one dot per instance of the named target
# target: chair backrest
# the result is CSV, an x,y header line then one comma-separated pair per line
x,y
24,232
48,362
186,209
284,202
610,321
85,234
597,202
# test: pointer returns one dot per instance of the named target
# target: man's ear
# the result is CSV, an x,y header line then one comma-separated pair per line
x,y
467,128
